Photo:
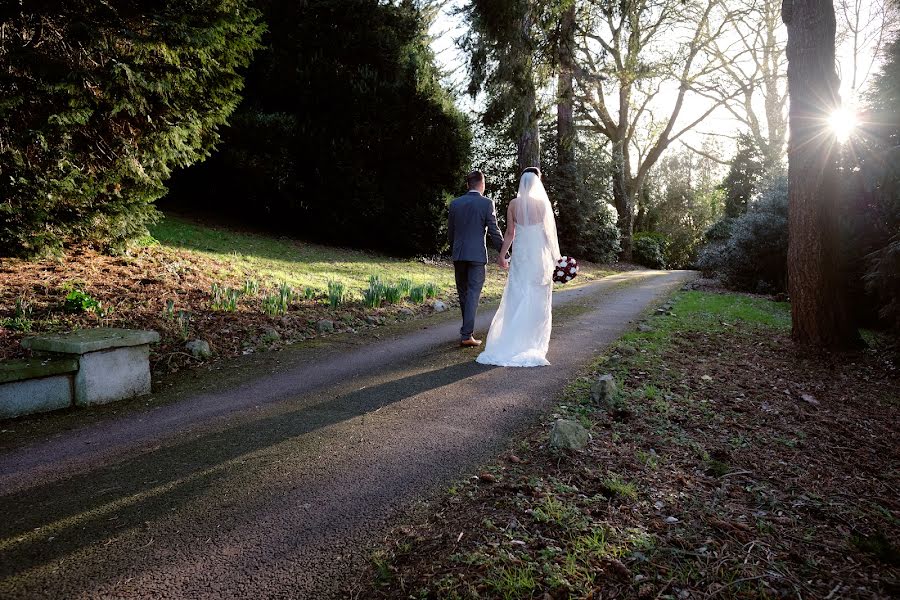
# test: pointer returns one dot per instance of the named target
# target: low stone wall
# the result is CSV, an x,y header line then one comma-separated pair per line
x,y
82,368
36,385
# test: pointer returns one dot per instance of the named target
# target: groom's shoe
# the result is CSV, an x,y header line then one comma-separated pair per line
x,y
470,343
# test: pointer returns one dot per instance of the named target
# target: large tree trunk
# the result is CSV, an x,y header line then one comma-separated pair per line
x,y
526,118
570,218
529,138
623,199
815,274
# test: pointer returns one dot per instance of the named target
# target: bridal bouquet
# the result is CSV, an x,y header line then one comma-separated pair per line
x,y
565,270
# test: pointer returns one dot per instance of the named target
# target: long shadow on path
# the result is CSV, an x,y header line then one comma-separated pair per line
x,y
77,512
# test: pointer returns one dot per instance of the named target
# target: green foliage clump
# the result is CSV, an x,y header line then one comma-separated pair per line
x,y
335,293
680,201
417,294
21,319
78,301
754,257
100,101
223,299
874,168
649,249
373,296
345,133
744,174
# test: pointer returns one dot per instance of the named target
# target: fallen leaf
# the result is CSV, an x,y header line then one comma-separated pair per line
x,y
809,399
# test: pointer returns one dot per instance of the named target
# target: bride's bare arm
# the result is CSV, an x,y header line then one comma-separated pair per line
x,y
510,233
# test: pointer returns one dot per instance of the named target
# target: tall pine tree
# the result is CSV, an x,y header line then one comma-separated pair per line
x,y
346,135
99,101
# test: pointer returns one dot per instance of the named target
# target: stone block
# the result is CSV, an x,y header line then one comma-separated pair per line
x,y
30,396
90,340
34,368
110,375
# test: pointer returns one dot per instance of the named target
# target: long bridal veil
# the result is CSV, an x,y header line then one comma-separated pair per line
x,y
520,332
533,208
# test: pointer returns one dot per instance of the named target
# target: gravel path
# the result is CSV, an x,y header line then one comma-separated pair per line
x,y
268,489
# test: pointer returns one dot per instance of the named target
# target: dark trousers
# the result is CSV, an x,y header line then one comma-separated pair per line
x,y
469,281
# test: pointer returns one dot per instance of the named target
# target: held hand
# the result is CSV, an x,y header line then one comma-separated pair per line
x,y
503,262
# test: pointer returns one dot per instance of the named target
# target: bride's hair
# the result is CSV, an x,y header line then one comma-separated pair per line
x,y
534,170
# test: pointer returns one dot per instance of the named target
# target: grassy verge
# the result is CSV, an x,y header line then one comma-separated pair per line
x,y
238,255
241,292
729,465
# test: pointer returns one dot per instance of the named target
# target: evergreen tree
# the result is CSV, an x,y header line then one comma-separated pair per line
x,y
744,175
505,43
99,101
346,135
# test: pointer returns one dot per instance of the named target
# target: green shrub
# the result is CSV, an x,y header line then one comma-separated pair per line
x,y
77,301
649,249
882,264
103,102
316,148
755,255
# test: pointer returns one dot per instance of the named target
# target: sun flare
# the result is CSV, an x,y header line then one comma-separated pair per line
x,y
842,123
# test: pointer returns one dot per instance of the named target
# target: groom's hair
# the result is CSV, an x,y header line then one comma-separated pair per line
x,y
474,178
534,170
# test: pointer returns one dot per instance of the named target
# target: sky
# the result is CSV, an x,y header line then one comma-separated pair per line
x,y
447,28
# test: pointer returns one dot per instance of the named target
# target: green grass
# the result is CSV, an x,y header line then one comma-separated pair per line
x,y
270,260
707,313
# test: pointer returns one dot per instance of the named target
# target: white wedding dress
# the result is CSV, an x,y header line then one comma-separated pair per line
x,y
520,332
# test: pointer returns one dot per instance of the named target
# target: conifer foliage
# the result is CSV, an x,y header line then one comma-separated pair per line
x,y
346,135
99,101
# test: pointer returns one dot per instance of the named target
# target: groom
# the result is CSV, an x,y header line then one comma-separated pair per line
x,y
470,216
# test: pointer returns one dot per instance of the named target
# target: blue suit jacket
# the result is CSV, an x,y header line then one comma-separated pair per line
x,y
471,216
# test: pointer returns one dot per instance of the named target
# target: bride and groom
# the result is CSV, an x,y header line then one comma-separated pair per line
x,y
519,335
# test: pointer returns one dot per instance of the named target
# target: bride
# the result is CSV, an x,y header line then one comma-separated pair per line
x,y
520,332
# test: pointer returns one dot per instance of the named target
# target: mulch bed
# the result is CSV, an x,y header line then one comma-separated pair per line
x,y
134,289
737,467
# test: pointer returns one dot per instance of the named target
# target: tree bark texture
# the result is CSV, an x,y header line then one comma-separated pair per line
x,y
526,117
570,217
815,274
623,198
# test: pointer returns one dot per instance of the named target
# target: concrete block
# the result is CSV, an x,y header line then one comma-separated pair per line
x,y
34,368
29,396
111,375
90,340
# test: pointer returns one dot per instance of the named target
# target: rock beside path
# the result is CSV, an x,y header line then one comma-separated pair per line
x,y
604,390
199,349
568,435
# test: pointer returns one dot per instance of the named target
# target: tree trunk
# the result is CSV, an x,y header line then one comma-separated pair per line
x,y
815,273
529,138
526,118
570,218
623,199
